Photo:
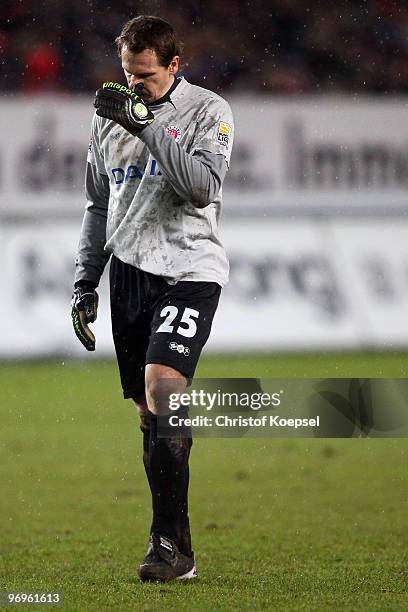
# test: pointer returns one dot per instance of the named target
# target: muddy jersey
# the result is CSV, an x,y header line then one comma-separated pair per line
x,y
154,200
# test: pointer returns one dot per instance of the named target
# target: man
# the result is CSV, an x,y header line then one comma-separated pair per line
x,y
159,153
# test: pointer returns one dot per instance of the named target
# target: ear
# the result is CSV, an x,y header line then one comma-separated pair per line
x,y
174,65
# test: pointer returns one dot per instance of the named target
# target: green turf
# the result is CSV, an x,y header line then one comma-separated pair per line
x,y
277,524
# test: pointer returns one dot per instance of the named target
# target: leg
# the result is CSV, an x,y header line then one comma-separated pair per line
x,y
133,295
145,424
181,532
168,463
179,328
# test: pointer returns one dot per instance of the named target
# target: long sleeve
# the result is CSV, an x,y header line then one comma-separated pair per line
x,y
91,257
196,175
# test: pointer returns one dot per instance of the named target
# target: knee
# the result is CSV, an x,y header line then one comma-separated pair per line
x,y
160,382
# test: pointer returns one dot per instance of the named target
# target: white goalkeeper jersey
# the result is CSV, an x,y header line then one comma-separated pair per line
x,y
154,200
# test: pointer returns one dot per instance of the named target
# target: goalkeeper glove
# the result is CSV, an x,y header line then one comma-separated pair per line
x,y
124,106
84,308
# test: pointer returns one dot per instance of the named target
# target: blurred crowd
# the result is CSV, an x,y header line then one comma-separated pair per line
x,y
280,46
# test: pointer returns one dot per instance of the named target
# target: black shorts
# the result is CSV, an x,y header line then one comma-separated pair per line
x,y
154,322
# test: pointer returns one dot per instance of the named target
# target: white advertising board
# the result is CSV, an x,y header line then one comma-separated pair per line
x,y
294,285
310,154
315,284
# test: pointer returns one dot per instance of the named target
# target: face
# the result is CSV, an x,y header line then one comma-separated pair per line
x,y
144,68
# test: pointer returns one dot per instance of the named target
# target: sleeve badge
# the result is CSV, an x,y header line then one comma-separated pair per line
x,y
224,131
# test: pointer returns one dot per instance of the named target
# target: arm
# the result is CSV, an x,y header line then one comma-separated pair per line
x,y
91,257
196,177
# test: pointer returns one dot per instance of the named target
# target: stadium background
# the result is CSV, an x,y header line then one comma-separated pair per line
x,y
315,224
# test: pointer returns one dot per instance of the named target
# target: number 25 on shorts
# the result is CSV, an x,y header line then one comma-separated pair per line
x,y
187,327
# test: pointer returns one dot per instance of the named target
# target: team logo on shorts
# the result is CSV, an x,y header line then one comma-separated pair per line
x,y
180,348
174,132
224,131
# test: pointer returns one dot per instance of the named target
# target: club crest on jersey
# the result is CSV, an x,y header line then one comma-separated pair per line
x,y
174,132
224,131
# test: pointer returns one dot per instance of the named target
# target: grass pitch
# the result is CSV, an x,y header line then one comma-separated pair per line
x,y
277,524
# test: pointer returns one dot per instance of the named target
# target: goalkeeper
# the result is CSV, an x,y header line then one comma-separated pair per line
x,y
159,153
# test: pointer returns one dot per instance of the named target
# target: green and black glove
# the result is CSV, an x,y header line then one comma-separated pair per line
x,y
123,105
84,309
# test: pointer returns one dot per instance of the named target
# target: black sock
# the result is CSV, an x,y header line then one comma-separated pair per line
x,y
146,437
169,478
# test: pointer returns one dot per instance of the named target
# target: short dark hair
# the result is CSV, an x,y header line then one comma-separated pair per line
x,y
148,32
